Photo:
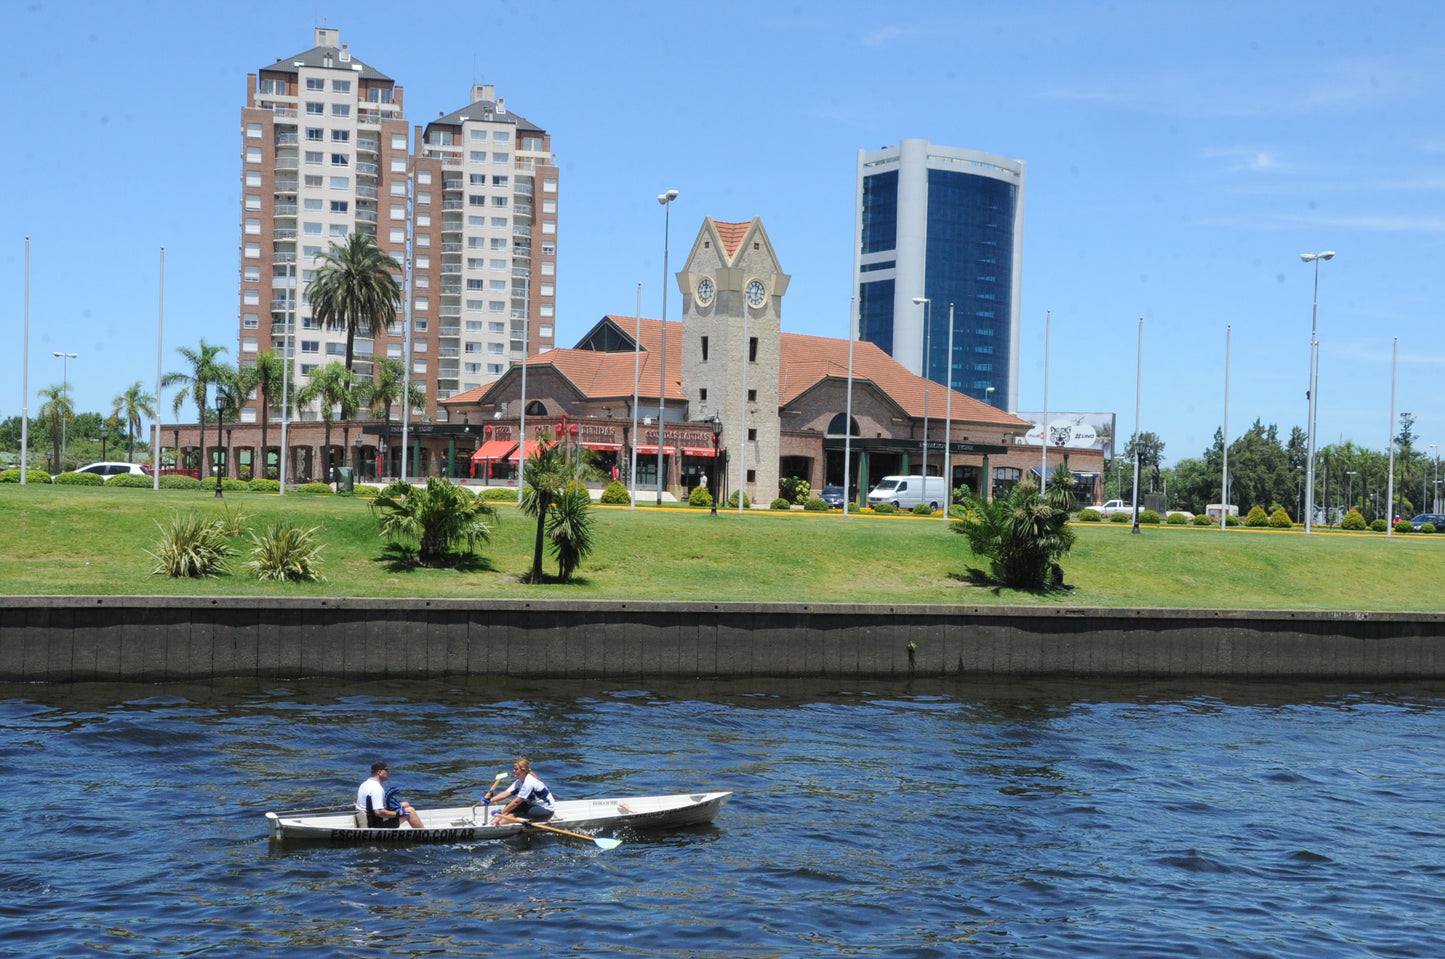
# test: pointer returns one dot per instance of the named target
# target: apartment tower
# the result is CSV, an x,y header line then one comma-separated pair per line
x,y
945,225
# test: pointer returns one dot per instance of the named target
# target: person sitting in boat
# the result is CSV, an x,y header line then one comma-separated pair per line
x,y
530,797
371,799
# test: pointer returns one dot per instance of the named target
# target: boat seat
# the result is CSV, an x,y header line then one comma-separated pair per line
x,y
360,819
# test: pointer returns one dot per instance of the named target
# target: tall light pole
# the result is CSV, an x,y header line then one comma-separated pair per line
x,y
287,349
666,200
1314,383
25,377
1224,435
1424,493
948,425
1434,475
927,305
220,450
1350,490
1138,393
65,391
1044,426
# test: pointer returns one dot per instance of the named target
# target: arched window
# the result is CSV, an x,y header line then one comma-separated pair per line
x,y
536,408
835,425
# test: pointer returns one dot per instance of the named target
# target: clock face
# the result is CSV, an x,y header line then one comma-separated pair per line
x,y
704,292
756,293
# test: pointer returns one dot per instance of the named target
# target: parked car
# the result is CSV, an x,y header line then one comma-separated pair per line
x,y
1113,506
110,469
833,496
906,492
1435,519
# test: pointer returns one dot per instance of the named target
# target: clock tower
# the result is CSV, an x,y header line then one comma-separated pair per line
x,y
732,291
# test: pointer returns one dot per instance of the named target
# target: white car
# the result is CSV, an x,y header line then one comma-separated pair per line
x,y
108,469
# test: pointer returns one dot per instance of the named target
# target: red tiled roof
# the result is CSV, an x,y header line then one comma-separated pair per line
x,y
731,235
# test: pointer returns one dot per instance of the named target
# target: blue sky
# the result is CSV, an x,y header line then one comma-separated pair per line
x,y
1180,158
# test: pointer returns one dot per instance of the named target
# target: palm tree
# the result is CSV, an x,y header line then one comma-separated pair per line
x,y
570,529
334,387
355,288
130,406
385,391
437,515
267,377
1023,535
204,370
550,493
60,410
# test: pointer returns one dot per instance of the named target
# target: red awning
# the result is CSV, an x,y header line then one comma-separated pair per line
x,y
652,451
494,450
528,448
697,451
614,447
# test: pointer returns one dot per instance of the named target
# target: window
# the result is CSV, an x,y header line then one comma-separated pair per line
x,y
340,159
549,186
341,183
532,144
315,109
549,268
424,240
313,181
398,141
398,211
495,368
752,437
549,206
253,250
253,202
423,219
494,347
310,346
314,157
477,221
496,306
549,249
251,297
473,284
476,199
501,265
252,273
477,156
499,243
476,263
253,177
423,196
423,304
340,86
311,229
499,201
398,164
341,109
311,204
752,398
476,243
339,206
752,349
315,133
398,188
424,178
309,253
499,223
248,344
501,158
340,136
545,331
499,181
253,131
472,367
702,393
250,321
546,309
423,261
496,326
704,359
418,366
501,136
315,83
339,229
398,234
274,86
497,286
253,154
335,349
549,228
477,179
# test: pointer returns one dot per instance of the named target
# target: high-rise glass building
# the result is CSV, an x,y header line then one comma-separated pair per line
x,y
947,225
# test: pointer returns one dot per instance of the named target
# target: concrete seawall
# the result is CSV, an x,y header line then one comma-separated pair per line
x,y
155,639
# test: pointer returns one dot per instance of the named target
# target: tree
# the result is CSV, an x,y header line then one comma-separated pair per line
x,y
1023,535
570,529
130,406
1151,452
546,475
355,288
268,377
58,409
385,390
204,370
438,516
333,387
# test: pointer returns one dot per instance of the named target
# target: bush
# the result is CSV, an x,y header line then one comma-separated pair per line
x,y
12,475
285,554
439,517
780,503
794,489
699,497
815,505
1257,518
192,545
1353,521
131,481
1203,520
922,509
1120,518
367,492
488,494
1427,528
616,494
1178,519
180,482
1379,525
79,479
1089,516
1148,517
264,486
733,501
884,507
959,511
1231,520
315,489
234,485
1279,519
1404,526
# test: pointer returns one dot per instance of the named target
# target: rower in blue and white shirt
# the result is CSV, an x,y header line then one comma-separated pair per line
x,y
530,797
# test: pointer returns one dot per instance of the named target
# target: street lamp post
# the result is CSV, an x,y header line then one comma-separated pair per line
x,y
666,200
927,305
104,432
1313,384
65,358
1350,490
1424,495
716,425
220,450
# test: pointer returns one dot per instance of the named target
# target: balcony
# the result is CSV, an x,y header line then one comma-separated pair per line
x,y
366,192
451,329
288,163
450,267
369,169
521,271
449,352
451,247
452,183
452,226
283,113
284,209
286,139
366,216
284,233
453,205
451,289
282,305
449,311
285,185
368,144
451,371
519,314
522,209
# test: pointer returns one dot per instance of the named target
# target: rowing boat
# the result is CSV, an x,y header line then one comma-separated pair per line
x,y
467,823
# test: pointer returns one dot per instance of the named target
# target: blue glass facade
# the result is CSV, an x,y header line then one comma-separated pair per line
x,y
970,264
880,212
875,314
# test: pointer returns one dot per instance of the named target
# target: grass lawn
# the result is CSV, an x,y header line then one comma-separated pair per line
x,y
86,540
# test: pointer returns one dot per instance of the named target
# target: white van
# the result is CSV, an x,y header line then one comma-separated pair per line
x,y
906,492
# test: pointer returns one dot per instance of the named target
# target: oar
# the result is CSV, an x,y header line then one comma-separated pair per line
x,y
486,800
601,841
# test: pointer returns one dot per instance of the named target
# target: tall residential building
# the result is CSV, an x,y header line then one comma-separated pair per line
x,y
947,225
327,151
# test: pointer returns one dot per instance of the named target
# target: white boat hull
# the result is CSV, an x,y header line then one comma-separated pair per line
x,y
472,823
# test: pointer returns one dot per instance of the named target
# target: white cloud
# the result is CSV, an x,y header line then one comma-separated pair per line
x,y
882,37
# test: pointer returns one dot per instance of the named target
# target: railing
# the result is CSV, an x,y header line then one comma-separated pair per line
x,y
453,205
451,161
522,231
283,113
285,186
284,233
451,184
370,169
449,352
521,271
366,216
519,314
369,144
281,306
451,226
450,268
521,190
451,247
285,209
286,139
451,289
522,209
449,311
453,329
288,163
367,192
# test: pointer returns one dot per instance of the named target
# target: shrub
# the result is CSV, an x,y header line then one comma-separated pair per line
x,y
1353,521
437,516
285,554
264,486
1279,519
733,501
781,503
12,475
1230,519
1120,518
234,485
1148,517
958,510
616,495
397,489
79,479
180,482
367,492
244,473
1257,518
815,505
131,481
1379,525
192,545
232,521
794,489
315,489
884,507
1089,516
698,497
922,509
1023,535
1426,528
1404,526
489,494
1203,520
1178,519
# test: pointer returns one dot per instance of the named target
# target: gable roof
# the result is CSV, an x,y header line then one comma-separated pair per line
x,y
730,235
316,57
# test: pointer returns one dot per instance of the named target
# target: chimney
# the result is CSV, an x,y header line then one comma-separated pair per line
x,y
346,53
483,91
501,106
327,36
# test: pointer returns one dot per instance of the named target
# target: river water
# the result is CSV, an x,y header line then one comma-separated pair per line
x,y
870,820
